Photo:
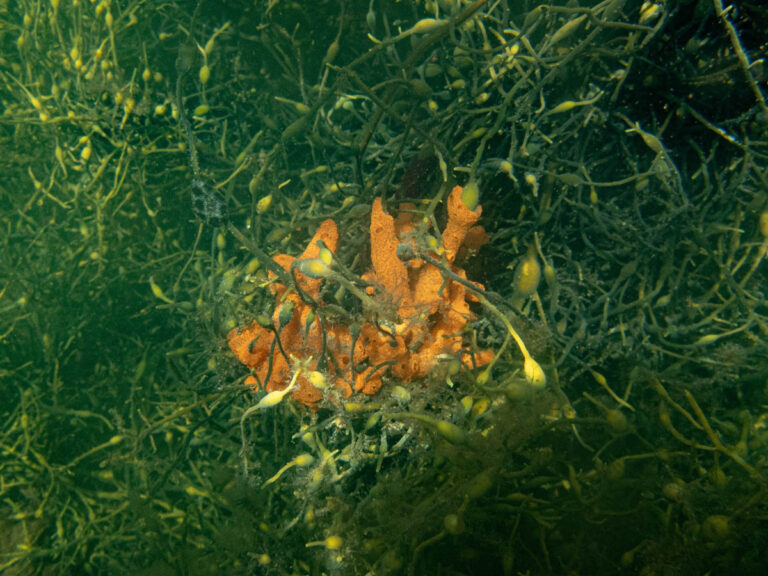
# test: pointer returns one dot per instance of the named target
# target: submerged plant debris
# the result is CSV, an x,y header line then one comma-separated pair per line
x,y
370,287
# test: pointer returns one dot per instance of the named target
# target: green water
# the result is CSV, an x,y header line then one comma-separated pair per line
x,y
155,156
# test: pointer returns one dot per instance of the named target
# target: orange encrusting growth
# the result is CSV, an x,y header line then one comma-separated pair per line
x,y
432,312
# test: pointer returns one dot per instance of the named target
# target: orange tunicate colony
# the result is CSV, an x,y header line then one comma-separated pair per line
x,y
432,312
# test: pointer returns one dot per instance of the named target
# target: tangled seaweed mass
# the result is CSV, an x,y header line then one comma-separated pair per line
x,y
430,311
197,195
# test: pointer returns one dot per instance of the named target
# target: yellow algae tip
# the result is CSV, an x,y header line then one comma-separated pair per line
x,y
534,373
158,292
314,268
426,25
528,275
331,543
470,195
764,223
205,74
264,204
450,432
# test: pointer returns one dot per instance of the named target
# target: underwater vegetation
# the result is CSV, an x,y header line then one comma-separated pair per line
x,y
416,287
